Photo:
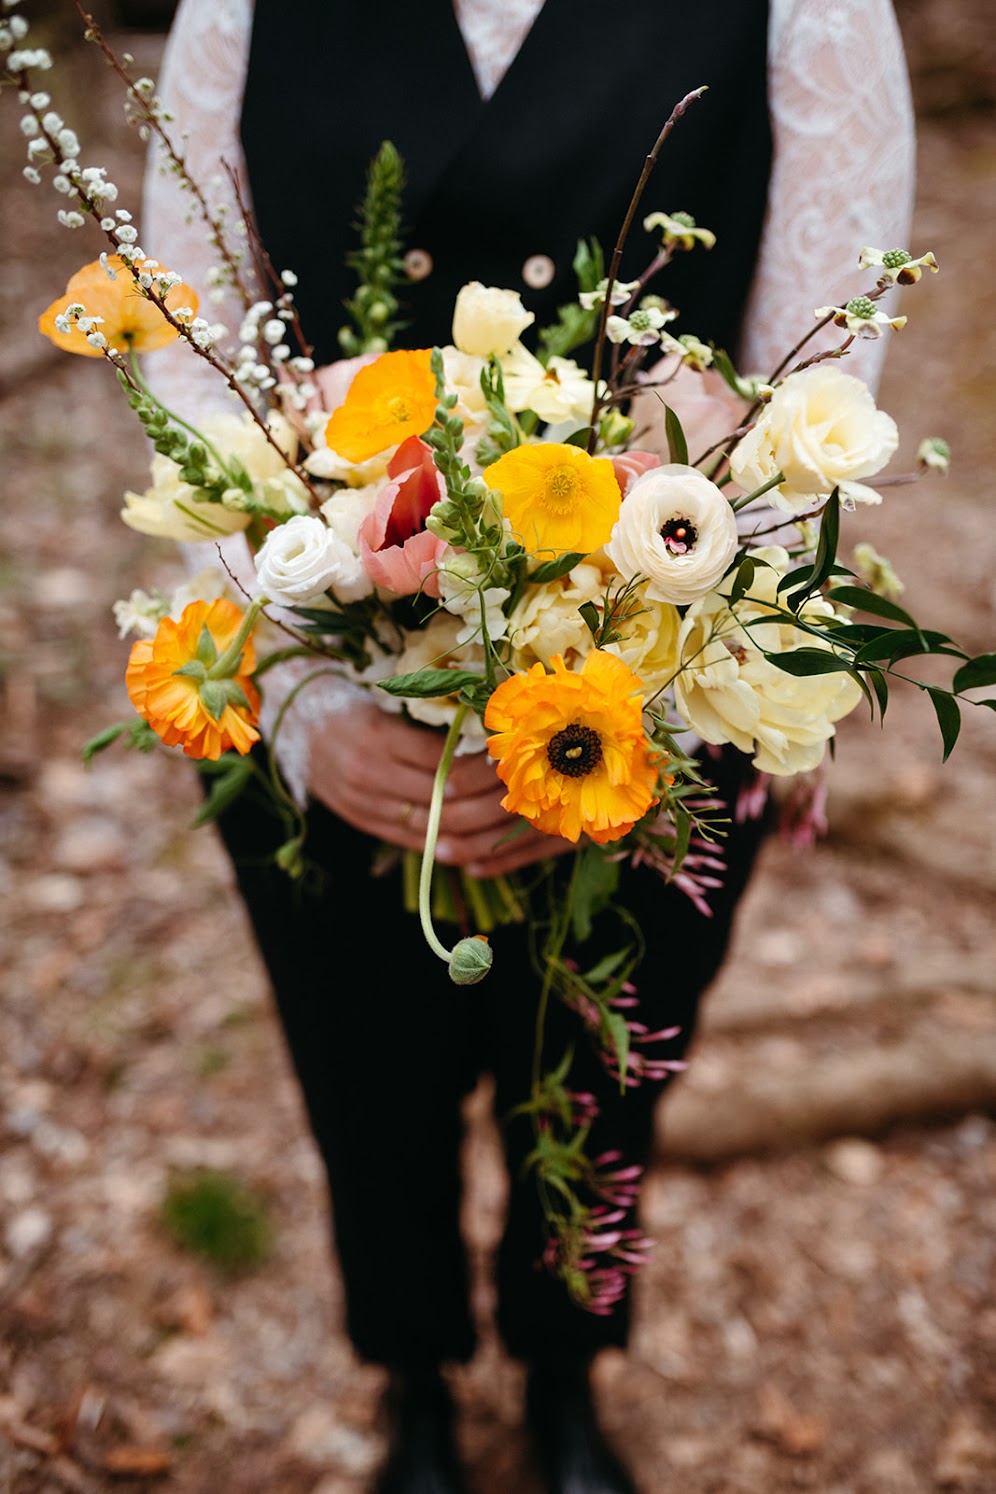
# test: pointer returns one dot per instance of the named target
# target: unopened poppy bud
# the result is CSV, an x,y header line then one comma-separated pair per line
x,y
470,960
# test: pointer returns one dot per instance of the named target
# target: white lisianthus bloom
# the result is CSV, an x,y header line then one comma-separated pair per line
x,y
488,320
433,647
557,391
820,430
727,690
676,528
300,560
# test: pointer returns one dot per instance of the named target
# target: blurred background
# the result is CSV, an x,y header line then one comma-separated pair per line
x,y
819,1311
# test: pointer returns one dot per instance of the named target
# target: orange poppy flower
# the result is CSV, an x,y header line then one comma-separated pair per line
x,y
129,319
571,748
205,717
389,400
556,497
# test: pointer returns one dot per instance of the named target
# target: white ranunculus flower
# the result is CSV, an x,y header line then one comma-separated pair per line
x,y
727,690
488,320
239,436
300,560
821,430
676,528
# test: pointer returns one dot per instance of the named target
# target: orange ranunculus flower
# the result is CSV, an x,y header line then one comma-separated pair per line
x,y
388,401
571,748
130,320
556,498
173,704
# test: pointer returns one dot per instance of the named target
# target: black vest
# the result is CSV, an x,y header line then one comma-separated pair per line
x,y
552,157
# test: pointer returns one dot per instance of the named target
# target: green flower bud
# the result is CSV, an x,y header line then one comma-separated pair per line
x,y
860,306
470,960
892,259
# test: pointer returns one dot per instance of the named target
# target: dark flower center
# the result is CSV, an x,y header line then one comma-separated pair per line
x,y
575,751
679,535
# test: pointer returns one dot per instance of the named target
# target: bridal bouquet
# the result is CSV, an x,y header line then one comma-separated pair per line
x,y
503,543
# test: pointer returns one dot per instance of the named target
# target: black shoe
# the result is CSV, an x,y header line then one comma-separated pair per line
x,y
572,1452
421,1458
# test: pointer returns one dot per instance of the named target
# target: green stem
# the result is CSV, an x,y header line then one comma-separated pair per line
x,y
224,667
738,503
176,419
432,834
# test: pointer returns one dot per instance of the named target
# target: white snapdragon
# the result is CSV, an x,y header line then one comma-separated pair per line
x,y
677,529
301,560
462,595
820,430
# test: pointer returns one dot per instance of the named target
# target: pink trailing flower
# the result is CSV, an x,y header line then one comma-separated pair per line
x,y
629,465
397,550
803,818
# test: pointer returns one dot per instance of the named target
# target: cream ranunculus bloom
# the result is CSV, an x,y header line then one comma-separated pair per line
x,y
727,690
676,528
488,320
547,621
821,430
302,559
649,645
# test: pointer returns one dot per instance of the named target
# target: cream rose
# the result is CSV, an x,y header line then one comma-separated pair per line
x,y
488,320
821,430
676,528
727,690
300,560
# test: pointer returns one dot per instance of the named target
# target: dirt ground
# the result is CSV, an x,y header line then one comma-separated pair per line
x,y
818,1312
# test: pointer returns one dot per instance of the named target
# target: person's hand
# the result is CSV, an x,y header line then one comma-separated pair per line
x,y
376,771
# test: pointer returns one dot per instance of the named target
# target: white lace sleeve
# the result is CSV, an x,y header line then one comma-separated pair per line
x,y
201,82
842,175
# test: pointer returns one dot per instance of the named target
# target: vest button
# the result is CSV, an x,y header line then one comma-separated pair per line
x,y
418,264
538,271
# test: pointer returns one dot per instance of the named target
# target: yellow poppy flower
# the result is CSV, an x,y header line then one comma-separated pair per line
x,y
556,497
173,702
388,401
128,319
571,748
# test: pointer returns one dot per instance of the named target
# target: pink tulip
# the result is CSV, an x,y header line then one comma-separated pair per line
x,y
397,550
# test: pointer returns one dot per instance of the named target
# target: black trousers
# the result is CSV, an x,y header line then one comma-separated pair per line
x,y
386,1048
